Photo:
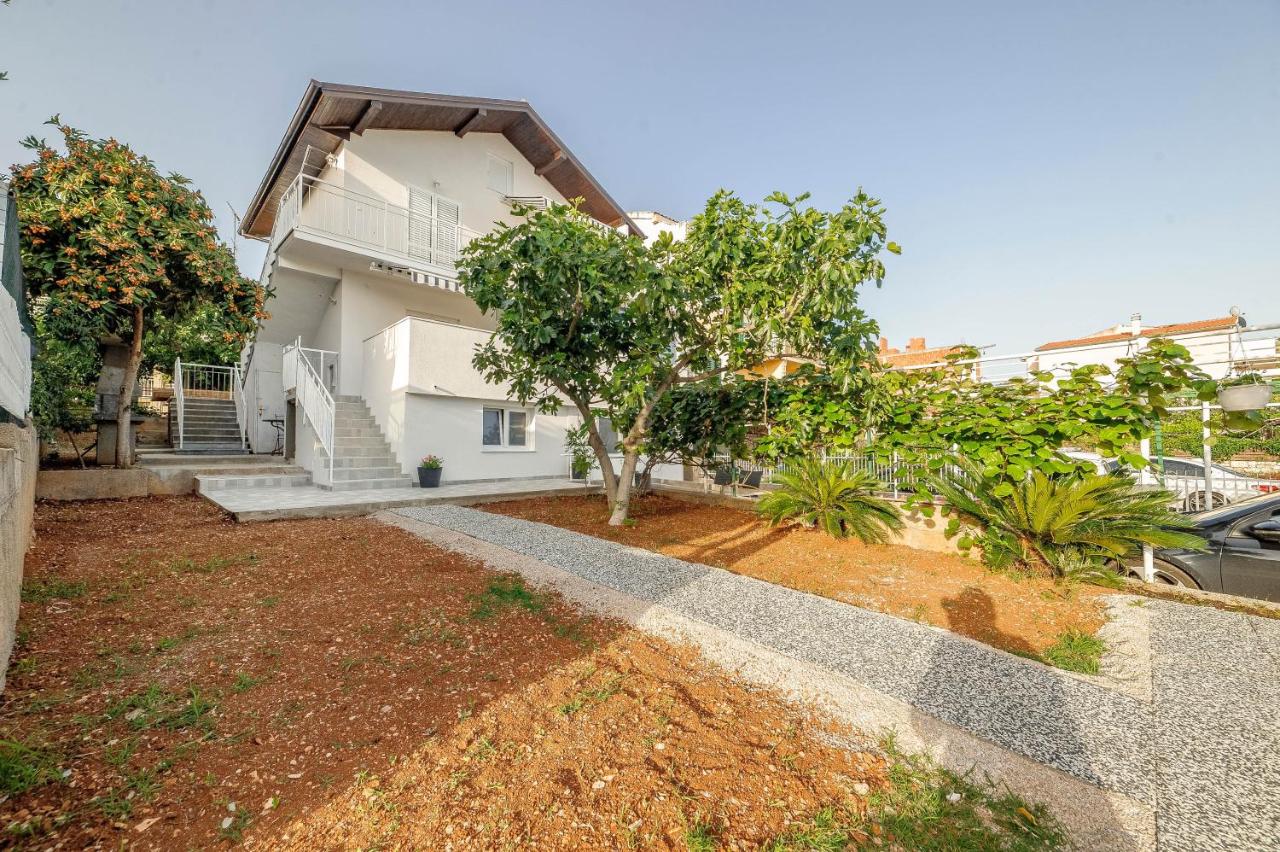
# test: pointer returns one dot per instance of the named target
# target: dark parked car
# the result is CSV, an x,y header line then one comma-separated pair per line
x,y
1243,556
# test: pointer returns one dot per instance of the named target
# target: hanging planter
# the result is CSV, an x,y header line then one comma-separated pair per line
x,y
1249,392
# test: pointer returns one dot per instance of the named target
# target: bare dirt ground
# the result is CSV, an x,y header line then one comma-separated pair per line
x,y
185,682
1024,615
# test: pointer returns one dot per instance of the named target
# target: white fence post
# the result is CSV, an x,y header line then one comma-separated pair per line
x,y
1206,456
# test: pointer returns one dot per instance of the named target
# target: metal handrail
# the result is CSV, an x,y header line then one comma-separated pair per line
x,y
237,396
178,396
311,395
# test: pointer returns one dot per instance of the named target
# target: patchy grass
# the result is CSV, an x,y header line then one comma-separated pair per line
x,y
24,766
1076,652
700,836
52,589
211,565
504,593
157,707
245,682
928,808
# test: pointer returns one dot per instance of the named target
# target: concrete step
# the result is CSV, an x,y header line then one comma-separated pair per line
x,y
211,448
384,460
340,431
207,405
167,457
341,443
222,483
342,420
192,428
361,451
383,472
363,484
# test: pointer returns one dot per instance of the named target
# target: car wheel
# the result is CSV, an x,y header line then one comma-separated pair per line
x,y
1166,574
1196,501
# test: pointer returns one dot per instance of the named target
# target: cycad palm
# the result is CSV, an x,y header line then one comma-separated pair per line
x,y
1066,521
835,498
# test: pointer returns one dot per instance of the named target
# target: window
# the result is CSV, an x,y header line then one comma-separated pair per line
x,y
500,175
608,434
492,435
515,428
505,427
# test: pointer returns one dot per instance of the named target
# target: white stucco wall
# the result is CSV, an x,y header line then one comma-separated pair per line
x,y
264,394
370,302
384,163
451,428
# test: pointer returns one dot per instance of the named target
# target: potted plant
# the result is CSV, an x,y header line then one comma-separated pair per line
x,y
429,470
1246,392
581,458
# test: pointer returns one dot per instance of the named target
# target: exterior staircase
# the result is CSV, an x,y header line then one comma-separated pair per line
x,y
362,458
209,426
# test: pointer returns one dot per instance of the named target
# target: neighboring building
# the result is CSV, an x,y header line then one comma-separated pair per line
x,y
365,205
652,224
918,354
1216,345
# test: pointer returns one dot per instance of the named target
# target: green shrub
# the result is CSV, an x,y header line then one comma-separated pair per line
x,y
833,497
1070,526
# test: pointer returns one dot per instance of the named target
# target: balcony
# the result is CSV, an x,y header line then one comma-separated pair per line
x,y
396,238
424,356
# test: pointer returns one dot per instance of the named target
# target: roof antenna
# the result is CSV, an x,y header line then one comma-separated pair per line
x,y
235,235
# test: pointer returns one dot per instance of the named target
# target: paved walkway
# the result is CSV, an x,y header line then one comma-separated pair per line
x,y
308,501
1203,754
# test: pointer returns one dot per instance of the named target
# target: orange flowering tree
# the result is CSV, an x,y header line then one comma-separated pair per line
x,y
114,246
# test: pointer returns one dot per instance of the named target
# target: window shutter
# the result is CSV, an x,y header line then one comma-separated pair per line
x,y
420,218
448,218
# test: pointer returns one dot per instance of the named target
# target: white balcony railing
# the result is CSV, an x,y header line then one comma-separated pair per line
x,y
413,236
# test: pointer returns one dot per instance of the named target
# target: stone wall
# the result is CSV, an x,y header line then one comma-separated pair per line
x,y
19,458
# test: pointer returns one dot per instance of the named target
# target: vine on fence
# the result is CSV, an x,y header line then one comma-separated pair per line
x,y
1015,428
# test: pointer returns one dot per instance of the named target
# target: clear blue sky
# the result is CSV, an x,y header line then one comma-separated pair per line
x,y
1049,168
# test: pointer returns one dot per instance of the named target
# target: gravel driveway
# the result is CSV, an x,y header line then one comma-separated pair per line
x,y
1203,753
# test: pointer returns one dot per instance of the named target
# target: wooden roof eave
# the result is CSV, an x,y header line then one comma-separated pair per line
x,y
298,126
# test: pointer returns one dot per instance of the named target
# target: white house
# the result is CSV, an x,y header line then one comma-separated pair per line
x,y
1220,346
365,361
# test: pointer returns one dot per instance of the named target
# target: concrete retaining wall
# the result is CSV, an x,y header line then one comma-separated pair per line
x,y
19,458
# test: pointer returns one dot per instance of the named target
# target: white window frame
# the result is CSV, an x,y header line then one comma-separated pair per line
x,y
511,174
530,418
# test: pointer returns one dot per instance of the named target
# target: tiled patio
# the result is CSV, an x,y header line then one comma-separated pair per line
x,y
278,503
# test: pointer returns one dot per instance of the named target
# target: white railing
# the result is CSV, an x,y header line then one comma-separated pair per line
x,y
310,393
178,398
413,236
208,381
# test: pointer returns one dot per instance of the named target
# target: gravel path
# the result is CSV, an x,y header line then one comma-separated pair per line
x,y
1207,760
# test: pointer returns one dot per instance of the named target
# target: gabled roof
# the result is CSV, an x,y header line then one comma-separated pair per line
x,y
1216,324
331,112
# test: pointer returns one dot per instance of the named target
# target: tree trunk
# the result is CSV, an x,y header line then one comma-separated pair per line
x,y
124,411
622,502
606,464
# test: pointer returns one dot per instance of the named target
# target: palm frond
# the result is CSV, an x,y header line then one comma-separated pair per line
x,y
833,497
1073,524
